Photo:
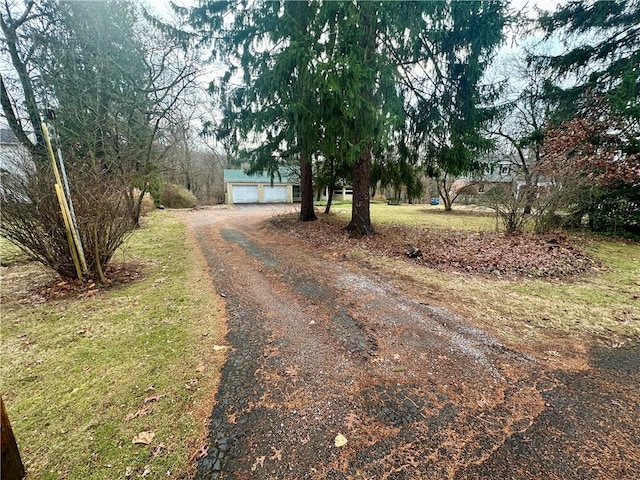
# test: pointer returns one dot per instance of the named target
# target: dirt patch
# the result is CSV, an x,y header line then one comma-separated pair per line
x,y
322,347
476,253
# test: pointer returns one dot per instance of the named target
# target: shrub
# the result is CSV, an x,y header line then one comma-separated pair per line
x,y
175,196
509,203
31,218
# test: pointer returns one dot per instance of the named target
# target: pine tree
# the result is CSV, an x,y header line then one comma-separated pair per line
x,y
605,54
272,117
324,78
452,106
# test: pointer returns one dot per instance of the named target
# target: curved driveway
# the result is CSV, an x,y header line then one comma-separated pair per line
x,y
322,348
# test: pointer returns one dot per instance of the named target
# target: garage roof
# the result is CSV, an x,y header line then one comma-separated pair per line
x,y
238,176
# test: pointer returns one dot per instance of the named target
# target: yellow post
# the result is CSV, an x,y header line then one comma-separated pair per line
x,y
67,224
71,237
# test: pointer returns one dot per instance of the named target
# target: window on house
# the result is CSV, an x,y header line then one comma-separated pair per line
x,y
504,169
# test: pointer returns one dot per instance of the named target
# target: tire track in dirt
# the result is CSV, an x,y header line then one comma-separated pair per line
x,y
320,348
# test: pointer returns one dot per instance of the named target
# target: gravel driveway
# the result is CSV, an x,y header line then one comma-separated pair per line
x,y
322,349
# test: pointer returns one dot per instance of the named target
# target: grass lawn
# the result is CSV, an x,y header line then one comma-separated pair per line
x,y
83,376
604,305
462,217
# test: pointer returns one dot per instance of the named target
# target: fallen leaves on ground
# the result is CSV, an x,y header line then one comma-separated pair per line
x,y
56,289
340,440
202,452
474,253
158,449
144,438
154,398
259,462
277,454
140,413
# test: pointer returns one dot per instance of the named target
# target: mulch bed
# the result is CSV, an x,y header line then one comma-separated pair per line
x,y
52,287
476,253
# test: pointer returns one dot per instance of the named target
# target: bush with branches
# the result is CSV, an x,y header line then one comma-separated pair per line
x,y
509,202
175,196
31,217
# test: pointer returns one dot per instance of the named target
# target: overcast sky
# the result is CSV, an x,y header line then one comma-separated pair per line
x,y
162,6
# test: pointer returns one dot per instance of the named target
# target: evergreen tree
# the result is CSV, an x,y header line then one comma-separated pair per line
x,y
324,77
428,56
271,117
452,107
595,140
360,72
604,58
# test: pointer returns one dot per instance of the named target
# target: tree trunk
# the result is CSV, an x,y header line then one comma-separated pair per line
x,y
307,212
136,204
443,191
11,465
38,149
332,186
360,224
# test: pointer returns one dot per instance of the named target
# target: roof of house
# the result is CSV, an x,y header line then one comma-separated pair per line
x,y
239,176
7,137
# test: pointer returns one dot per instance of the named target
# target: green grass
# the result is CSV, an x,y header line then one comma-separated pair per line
x,y
73,369
323,203
603,305
461,218
9,253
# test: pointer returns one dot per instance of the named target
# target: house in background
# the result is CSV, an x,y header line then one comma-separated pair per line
x,y
501,170
12,153
243,188
341,193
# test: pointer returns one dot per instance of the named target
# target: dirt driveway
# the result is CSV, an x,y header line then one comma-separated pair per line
x,y
322,348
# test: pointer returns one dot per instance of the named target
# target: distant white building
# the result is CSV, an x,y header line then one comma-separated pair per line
x,y
500,170
12,153
259,188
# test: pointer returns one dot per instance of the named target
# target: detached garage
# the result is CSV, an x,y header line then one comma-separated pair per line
x,y
244,194
242,188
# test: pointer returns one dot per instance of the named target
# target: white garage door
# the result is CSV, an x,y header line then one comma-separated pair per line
x,y
275,194
244,193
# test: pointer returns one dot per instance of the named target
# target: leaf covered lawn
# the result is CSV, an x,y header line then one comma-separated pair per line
x,y
479,252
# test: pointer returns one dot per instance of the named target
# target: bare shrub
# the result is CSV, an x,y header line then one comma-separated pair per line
x,y
509,203
32,220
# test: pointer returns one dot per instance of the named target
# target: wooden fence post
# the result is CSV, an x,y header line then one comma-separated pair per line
x,y
11,465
